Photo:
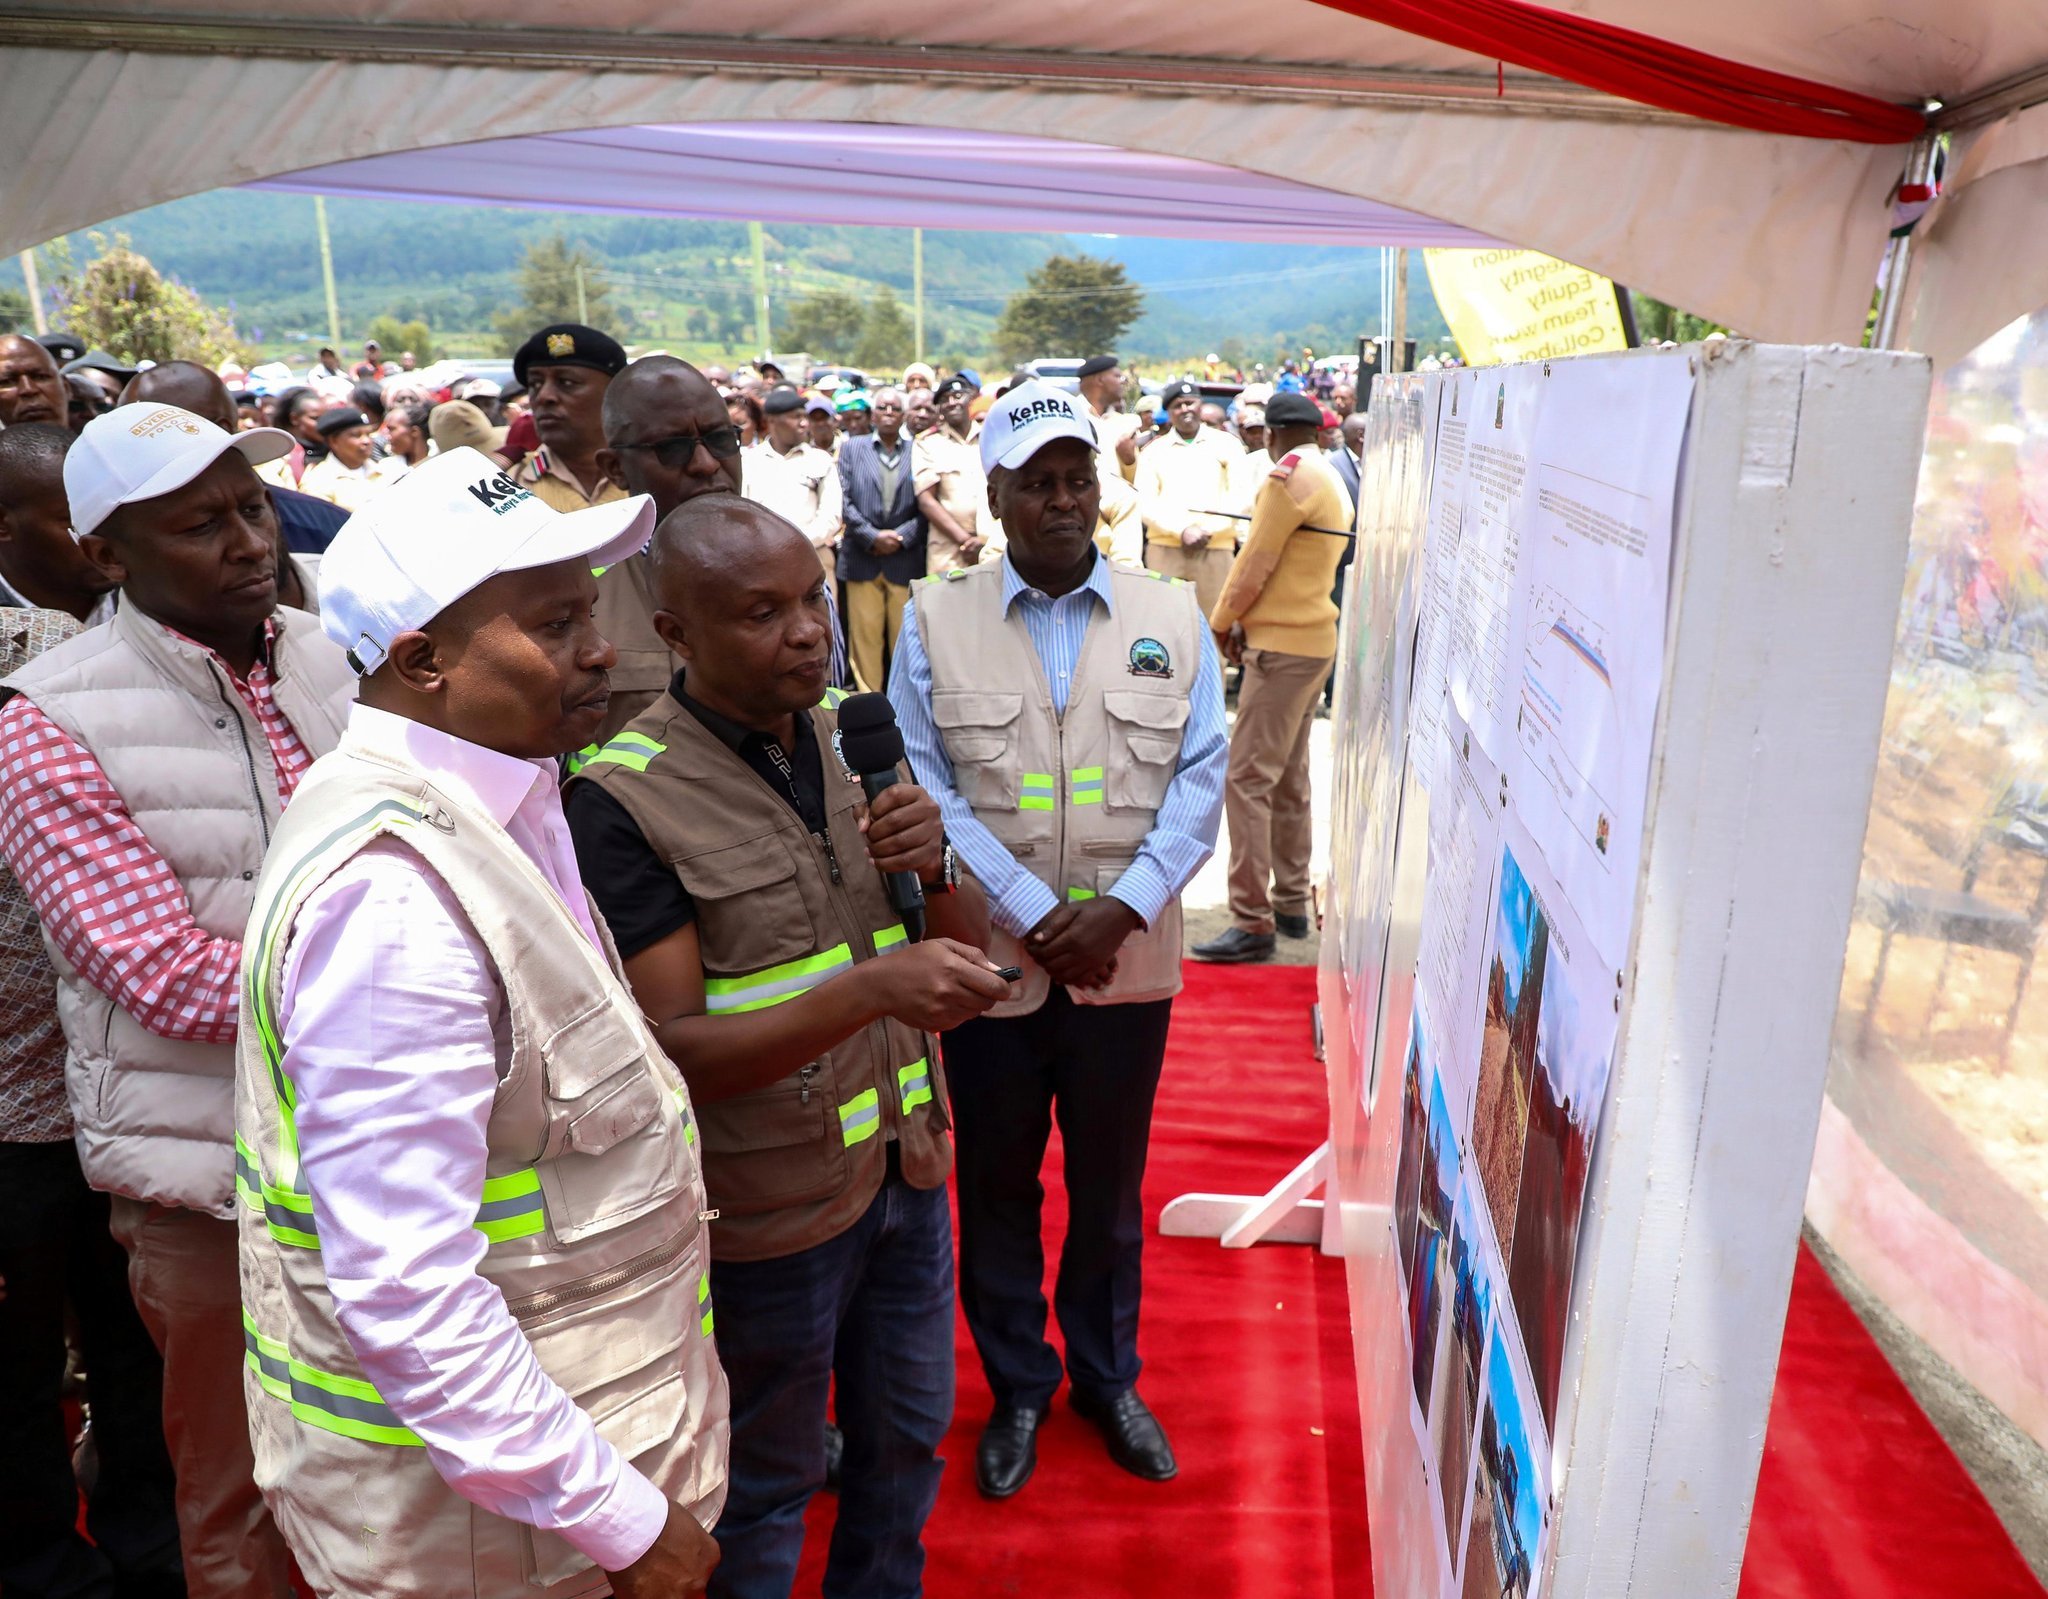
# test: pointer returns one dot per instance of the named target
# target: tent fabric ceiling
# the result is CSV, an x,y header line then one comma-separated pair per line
x,y
878,174
113,105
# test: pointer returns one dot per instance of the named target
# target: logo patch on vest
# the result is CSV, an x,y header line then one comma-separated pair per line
x,y
839,749
1149,659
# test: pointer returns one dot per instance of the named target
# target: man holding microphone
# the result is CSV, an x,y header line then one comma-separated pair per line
x,y
730,850
476,1307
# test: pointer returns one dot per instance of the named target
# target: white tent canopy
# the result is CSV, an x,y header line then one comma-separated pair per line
x,y
880,174
114,106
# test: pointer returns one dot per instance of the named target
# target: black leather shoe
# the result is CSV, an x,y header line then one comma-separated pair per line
x,y
1136,1440
1291,926
1233,947
1008,1453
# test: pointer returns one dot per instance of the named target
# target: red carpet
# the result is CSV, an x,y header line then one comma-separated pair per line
x,y
1248,1363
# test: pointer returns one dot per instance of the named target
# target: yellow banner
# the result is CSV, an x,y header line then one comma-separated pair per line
x,y
1516,305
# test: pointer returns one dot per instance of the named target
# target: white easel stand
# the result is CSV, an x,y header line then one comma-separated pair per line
x,y
1284,1214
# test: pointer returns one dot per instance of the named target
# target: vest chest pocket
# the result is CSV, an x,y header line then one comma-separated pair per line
x,y
751,915
1145,733
775,1148
605,1099
979,730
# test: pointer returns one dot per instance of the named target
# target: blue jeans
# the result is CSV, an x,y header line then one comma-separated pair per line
x,y
873,1308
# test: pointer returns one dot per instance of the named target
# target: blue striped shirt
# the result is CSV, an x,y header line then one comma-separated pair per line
x,y
1183,833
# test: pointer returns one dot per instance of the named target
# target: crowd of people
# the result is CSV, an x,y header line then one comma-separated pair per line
x,y
461,927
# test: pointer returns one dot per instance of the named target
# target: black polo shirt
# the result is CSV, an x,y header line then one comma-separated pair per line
x,y
642,898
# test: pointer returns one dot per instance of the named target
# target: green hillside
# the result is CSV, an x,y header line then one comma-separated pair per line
x,y
688,284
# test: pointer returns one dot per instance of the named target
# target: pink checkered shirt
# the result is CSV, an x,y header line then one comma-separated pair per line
x,y
107,899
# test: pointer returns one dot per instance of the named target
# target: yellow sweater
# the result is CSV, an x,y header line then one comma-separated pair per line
x,y
1279,585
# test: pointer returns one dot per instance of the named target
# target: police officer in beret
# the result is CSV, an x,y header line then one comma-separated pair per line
x,y
565,370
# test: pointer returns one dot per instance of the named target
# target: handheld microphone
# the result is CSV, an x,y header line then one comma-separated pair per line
x,y
871,745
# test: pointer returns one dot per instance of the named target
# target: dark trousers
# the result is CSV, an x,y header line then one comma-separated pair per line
x,y
873,1309
56,1253
1097,1068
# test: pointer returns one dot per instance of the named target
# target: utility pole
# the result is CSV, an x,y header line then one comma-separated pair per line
x,y
760,249
582,299
1397,356
327,272
917,287
35,290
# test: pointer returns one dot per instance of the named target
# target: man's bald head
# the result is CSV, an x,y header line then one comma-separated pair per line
x,y
714,543
643,383
187,385
742,603
653,403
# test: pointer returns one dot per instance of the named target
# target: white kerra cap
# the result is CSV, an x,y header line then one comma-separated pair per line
x,y
1027,419
449,525
139,452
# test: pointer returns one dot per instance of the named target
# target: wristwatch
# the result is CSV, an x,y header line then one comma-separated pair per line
x,y
949,874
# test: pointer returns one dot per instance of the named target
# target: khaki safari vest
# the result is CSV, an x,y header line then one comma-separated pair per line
x,y
592,1207
777,913
1070,796
189,759
624,613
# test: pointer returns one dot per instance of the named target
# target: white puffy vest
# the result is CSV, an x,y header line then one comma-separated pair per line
x,y
593,1205
189,760
1070,796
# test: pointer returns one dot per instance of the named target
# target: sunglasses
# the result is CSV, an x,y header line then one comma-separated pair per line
x,y
676,452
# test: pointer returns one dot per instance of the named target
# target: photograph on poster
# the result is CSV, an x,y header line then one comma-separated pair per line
x,y
1414,1129
1520,945
1574,1046
1429,1282
1457,1401
1505,1540
1464,848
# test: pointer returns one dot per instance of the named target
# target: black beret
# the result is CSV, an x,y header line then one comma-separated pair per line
x,y
570,344
1095,364
1293,410
955,384
782,401
1177,389
343,416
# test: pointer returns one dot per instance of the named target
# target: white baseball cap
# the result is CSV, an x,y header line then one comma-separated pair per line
x,y
138,452
1027,419
449,525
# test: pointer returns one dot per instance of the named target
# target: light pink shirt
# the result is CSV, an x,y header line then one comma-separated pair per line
x,y
395,1034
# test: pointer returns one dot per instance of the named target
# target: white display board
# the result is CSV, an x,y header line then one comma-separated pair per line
x,y
1614,660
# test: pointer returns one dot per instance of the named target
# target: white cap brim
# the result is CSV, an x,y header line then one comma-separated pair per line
x,y
600,534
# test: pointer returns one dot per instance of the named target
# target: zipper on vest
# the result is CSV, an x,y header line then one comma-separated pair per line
x,y
248,758
601,1283
804,1074
831,854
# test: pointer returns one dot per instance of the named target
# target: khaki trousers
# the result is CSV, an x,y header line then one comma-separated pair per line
x,y
874,616
1266,792
185,1272
1205,568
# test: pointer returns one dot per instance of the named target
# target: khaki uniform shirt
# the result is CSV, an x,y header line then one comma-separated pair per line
x,y
327,479
948,467
1181,483
1111,428
553,486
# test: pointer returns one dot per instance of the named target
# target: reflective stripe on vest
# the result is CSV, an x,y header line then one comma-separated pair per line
x,y
631,750
511,1206
345,1405
1076,895
889,937
689,1119
704,1304
834,698
773,985
1085,785
914,1083
860,1118
1039,792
